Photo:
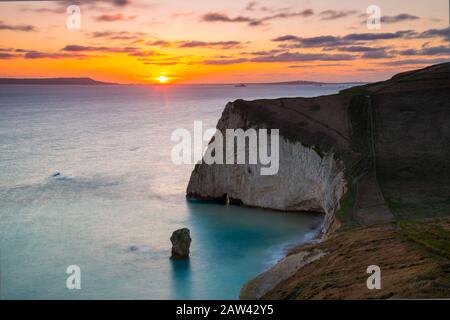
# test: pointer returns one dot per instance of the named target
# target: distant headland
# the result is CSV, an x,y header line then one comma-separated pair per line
x,y
54,81
303,83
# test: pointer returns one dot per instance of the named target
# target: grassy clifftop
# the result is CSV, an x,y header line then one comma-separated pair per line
x,y
319,122
413,259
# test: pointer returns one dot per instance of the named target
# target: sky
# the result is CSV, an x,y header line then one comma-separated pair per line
x,y
221,41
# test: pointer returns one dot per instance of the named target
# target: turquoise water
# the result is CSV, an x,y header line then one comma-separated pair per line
x,y
118,197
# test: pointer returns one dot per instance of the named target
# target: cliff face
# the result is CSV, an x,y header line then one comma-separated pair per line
x,y
311,173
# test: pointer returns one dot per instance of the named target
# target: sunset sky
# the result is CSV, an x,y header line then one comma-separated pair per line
x,y
218,41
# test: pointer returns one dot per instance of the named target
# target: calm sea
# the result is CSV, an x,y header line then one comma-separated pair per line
x,y
118,197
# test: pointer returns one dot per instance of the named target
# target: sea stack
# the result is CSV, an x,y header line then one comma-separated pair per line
x,y
181,241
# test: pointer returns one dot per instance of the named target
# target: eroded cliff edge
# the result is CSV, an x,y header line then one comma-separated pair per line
x,y
374,159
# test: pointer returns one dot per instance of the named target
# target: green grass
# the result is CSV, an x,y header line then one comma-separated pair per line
x,y
356,169
419,208
354,91
259,115
344,214
429,236
346,204
359,117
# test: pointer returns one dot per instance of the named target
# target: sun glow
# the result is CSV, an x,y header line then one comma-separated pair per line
x,y
162,79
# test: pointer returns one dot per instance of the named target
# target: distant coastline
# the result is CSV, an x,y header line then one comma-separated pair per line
x,y
301,83
90,82
54,81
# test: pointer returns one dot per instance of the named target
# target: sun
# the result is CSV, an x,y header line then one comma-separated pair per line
x,y
162,79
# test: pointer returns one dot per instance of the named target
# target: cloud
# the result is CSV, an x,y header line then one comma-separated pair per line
x,y
298,57
5,55
99,5
102,34
120,3
380,36
79,48
221,17
215,44
288,37
51,55
116,3
162,63
305,13
312,42
429,51
11,53
377,54
197,44
75,47
19,27
225,61
255,5
263,53
118,35
283,57
398,18
251,5
297,66
436,33
114,17
59,10
354,43
357,49
367,52
414,62
350,39
367,70
144,54
159,43
320,65
334,14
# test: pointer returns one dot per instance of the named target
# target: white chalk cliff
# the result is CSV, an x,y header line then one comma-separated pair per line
x,y
306,180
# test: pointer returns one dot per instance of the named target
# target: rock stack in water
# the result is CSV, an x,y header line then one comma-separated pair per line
x,y
181,241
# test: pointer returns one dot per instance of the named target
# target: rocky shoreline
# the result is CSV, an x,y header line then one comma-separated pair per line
x,y
359,158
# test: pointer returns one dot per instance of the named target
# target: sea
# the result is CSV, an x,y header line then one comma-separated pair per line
x,y
87,180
